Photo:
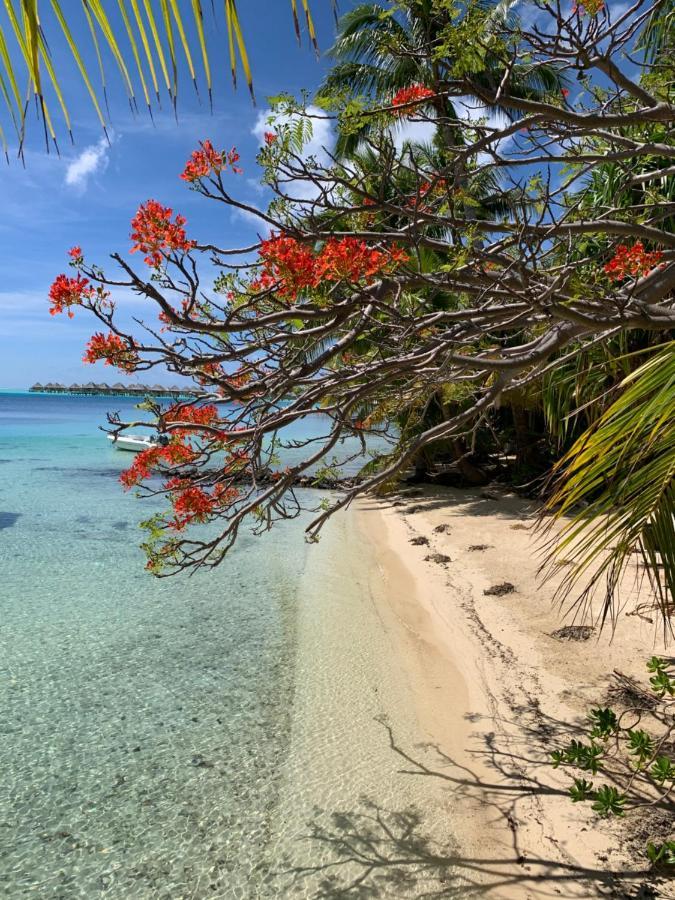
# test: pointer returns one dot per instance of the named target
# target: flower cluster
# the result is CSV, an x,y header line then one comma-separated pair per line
x,y
194,504
270,138
145,463
289,267
633,260
154,233
113,350
428,189
415,93
350,259
66,292
209,161
191,415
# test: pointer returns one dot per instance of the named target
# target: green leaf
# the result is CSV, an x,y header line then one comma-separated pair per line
x,y
609,802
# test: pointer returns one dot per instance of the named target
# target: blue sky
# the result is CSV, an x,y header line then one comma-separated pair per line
x,y
89,194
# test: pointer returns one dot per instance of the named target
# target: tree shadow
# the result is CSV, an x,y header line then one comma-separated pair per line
x,y
374,851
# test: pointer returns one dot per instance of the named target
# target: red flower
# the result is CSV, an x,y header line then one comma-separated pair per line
x,y
415,93
191,415
113,350
75,252
436,188
633,260
145,463
194,504
208,161
287,265
270,137
66,292
156,235
142,467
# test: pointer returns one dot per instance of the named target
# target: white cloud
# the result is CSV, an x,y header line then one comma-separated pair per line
x,y
417,132
92,160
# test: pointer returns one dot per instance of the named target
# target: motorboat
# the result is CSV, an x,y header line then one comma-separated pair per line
x,y
133,443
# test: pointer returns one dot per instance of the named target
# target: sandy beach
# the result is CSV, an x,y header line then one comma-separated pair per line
x,y
426,710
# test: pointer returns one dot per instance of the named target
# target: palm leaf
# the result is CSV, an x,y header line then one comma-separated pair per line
x,y
143,34
617,485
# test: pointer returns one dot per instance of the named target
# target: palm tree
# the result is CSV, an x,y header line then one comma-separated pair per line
x,y
153,35
377,53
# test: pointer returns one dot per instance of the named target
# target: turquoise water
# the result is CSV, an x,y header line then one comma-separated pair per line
x,y
143,721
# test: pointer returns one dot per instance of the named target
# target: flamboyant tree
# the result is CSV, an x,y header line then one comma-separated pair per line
x,y
372,292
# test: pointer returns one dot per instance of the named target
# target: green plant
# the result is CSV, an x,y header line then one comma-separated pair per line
x,y
638,765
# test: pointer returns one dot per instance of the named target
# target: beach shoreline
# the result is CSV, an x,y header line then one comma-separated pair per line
x,y
439,705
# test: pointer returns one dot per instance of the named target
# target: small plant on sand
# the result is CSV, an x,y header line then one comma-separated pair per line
x,y
637,766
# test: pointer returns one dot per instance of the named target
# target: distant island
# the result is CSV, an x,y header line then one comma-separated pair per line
x,y
115,390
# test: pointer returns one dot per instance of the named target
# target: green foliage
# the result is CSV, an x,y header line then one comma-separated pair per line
x,y
604,723
661,681
615,489
608,801
581,790
661,854
587,757
642,774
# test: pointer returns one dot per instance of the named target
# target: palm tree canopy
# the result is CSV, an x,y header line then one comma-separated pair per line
x,y
380,50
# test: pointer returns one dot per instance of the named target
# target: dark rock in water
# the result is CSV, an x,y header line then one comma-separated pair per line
x,y
573,633
200,763
474,547
419,541
8,519
120,526
498,590
442,529
439,558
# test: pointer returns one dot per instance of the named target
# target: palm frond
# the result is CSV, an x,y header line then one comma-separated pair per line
x,y
617,485
151,36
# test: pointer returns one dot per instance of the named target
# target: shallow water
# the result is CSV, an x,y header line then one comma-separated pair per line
x,y
143,721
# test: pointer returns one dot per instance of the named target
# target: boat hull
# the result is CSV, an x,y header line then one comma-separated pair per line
x,y
131,443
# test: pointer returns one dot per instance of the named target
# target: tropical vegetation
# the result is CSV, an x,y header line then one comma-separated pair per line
x,y
495,300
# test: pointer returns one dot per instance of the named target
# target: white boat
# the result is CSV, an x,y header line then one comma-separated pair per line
x,y
134,443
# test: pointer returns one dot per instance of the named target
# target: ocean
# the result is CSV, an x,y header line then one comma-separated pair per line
x,y
143,721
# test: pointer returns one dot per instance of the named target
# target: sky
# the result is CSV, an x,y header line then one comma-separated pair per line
x,y
88,195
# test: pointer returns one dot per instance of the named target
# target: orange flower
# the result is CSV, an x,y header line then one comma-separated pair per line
x,y
155,234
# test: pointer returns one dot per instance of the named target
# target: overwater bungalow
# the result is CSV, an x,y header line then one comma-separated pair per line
x,y
113,390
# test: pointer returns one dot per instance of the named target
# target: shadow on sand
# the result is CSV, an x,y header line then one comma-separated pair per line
x,y
373,851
